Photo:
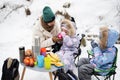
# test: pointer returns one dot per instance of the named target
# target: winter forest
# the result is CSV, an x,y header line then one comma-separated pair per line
x,y
17,18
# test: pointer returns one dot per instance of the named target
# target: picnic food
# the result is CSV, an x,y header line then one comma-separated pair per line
x,y
26,61
28,52
29,61
55,60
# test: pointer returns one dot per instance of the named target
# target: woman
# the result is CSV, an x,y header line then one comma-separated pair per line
x,y
47,28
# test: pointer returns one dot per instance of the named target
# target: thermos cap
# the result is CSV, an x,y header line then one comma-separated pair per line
x,y
37,37
22,48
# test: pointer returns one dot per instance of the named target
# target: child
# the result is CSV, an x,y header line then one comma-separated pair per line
x,y
104,54
69,44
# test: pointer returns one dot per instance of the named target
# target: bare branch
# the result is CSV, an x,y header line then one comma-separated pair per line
x,y
13,10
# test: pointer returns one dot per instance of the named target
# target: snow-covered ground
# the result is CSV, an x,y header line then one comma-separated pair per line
x,y
16,28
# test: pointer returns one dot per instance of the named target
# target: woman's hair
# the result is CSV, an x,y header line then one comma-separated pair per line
x,y
69,26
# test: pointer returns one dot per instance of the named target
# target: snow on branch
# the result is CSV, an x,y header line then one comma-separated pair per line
x,y
14,9
6,8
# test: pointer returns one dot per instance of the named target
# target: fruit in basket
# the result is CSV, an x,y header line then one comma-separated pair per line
x,y
31,62
26,61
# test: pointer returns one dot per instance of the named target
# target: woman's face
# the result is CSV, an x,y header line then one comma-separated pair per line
x,y
50,25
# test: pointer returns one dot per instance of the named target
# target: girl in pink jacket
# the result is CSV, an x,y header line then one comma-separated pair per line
x,y
69,46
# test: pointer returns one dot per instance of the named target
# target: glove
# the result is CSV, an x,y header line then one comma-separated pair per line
x,y
93,44
56,39
83,35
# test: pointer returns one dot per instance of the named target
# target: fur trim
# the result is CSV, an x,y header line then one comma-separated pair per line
x,y
104,34
71,29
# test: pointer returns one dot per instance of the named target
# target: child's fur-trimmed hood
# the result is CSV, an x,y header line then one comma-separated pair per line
x,y
69,26
108,37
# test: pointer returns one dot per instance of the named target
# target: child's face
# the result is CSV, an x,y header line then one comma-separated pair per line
x,y
64,30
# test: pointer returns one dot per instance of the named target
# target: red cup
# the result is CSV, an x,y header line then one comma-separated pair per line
x,y
43,50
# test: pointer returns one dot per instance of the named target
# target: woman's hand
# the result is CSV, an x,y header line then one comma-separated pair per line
x,y
56,39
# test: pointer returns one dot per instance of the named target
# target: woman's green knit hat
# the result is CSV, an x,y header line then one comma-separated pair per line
x,y
48,15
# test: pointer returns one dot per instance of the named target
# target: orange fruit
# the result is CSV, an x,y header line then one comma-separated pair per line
x,y
31,62
26,61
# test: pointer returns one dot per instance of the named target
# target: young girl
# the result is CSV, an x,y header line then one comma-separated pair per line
x,y
104,54
69,44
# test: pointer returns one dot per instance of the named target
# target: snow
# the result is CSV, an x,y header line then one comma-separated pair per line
x,y
16,28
